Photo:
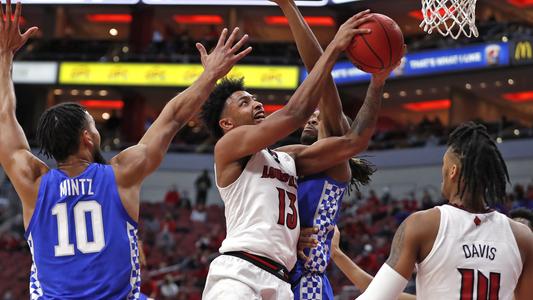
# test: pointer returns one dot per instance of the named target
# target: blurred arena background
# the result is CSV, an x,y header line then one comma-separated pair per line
x,y
123,61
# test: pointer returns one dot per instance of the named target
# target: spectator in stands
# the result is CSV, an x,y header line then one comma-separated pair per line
x,y
185,200
169,289
8,295
172,197
203,184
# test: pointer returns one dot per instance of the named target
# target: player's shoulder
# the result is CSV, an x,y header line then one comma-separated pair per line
x,y
523,236
424,223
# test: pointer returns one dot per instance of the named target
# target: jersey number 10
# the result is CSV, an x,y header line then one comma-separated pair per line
x,y
65,248
486,290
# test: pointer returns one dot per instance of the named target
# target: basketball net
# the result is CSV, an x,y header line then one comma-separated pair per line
x,y
450,17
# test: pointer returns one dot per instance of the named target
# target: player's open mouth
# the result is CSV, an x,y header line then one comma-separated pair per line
x,y
259,115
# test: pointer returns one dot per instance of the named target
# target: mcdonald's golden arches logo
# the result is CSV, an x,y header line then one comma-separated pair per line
x,y
523,51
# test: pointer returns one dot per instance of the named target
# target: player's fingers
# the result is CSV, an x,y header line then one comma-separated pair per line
x,y
239,44
361,21
1,13
8,12
29,33
302,256
361,13
362,31
201,49
242,54
232,37
18,11
222,38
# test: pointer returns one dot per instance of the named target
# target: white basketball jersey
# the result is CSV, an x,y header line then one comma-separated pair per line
x,y
475,256
261,209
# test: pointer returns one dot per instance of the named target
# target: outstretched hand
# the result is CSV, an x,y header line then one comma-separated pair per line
x,y
225,55
349,29
11,39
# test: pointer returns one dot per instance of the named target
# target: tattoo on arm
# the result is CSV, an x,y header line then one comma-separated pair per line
x,y
397,246
368,114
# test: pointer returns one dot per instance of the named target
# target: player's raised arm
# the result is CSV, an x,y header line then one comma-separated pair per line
x,y
134,164
334,123
331,151
22,167
246,140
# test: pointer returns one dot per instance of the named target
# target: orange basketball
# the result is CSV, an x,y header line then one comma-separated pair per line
x,y
379,49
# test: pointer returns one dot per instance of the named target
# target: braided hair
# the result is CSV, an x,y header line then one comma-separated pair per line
x,y
483,176
59,129
361,169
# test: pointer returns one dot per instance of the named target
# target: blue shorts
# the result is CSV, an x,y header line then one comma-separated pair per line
x,y
313,286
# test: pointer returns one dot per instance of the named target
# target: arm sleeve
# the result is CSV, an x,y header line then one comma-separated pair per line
x,y
388,284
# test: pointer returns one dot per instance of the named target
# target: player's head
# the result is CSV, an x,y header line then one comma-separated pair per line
x,y
67,129
230,106
310,131
522,215
473,168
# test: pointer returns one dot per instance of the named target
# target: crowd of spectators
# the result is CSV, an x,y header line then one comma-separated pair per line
x,y
181,236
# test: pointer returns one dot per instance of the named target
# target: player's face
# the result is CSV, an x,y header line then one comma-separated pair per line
x,y
310,131
242,108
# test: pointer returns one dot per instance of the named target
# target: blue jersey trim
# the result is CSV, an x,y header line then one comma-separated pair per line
x,y
119,203
40,198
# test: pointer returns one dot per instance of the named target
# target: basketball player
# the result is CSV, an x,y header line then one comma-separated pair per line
x,y
258,185
320,195
81,218
462,249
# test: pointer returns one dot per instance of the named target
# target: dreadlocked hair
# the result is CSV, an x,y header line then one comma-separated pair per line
x,y
361,169
59,129
213,107
483,175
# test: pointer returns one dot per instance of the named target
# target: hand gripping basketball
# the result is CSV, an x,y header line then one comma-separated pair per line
x,y
379,50
350,28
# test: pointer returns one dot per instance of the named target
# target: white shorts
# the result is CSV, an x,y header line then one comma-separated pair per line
x,y
232,278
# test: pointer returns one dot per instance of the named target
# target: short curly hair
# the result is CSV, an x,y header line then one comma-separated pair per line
x,y
213,107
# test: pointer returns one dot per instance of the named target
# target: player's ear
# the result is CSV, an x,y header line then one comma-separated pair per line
x,y
86,138
454,172
226,124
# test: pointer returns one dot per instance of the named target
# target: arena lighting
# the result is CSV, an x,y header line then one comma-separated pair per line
x,y
524,96
199,19
102,104
521,3
270,108
428,105
311,20
109,18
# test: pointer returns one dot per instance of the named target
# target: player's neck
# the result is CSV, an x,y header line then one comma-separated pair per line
x,y
74,165
467,205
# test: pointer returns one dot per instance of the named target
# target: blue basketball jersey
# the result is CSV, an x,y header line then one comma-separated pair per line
x,y
82,240
319,201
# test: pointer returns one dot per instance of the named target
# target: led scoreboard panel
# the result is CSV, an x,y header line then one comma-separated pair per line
x,y
233,2
78,1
